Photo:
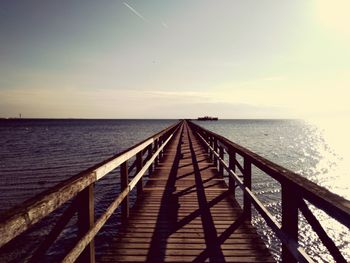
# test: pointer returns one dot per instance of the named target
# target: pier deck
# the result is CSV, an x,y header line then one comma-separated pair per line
x,y
186,214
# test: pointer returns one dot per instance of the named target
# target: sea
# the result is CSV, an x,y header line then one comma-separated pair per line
x,y
36,154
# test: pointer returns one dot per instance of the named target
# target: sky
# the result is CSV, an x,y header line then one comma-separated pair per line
x,y
175,59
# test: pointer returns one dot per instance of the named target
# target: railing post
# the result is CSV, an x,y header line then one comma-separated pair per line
x,y
289,219
221,167
211,145
160,144
150,169
156,146
139,185
207,139
86,221
216,150
232,166
124,182
164,138
247,180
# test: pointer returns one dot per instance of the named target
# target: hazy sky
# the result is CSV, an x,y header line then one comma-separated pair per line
x,y
175,59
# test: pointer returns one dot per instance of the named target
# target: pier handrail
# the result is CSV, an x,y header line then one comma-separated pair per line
x,y
80,188
295,190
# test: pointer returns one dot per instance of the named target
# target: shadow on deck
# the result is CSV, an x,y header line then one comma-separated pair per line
x,y
186,214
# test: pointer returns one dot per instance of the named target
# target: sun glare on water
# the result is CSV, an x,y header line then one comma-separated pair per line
x,y
336,154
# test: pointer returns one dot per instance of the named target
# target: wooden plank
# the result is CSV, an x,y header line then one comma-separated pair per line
x,y
231,242
181,245
188,252
123,258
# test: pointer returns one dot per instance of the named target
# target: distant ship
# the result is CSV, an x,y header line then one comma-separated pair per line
x,y
207,118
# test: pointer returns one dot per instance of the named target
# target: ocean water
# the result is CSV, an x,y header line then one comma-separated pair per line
x,y
37,154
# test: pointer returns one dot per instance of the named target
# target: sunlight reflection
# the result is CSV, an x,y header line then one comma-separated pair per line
x,y
332,169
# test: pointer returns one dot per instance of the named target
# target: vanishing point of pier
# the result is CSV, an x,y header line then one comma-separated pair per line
x,y
186,210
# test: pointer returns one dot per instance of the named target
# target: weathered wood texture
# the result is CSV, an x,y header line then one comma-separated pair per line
x,y
186,214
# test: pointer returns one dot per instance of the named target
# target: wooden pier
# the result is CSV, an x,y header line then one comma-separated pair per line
x,y
185,212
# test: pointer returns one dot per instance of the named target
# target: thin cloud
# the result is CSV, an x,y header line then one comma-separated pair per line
x,y
273,78
179,93
184,96
135,12
165,25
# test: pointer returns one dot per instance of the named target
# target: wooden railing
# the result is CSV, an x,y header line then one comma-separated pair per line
x,y
295,190
80,189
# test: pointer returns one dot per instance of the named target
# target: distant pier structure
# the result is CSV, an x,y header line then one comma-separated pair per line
x,y
186,211
207,118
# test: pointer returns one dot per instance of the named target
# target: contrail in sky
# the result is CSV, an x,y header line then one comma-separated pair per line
x,y
135,12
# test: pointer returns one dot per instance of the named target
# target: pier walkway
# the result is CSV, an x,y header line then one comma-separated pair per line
x,y
186,214
186,210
